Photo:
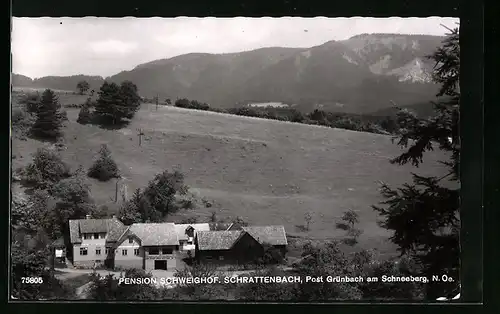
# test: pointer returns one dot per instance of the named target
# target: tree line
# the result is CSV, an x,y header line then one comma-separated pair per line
x,y
348,121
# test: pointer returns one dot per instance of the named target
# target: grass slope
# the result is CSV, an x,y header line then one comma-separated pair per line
x,y
266,171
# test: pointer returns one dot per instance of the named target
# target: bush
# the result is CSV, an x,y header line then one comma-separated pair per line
x,y
31,102
191,104
22,121
84,116
271,256
104,168
46,169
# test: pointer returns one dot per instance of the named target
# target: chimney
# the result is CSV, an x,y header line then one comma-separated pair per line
x,y
87,216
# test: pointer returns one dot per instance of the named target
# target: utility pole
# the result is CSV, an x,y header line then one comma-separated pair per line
x,y
140,134
116,190
157,98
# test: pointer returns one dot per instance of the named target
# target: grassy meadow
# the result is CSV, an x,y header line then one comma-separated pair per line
x,y
266,171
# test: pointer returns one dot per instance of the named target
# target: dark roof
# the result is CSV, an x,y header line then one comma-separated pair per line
x,y
217,240
155,234
113,227
273,235
116,229
93,225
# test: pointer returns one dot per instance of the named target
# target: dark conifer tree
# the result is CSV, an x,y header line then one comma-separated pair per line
x,y
108,103
117,102
130,98
49,118
424,215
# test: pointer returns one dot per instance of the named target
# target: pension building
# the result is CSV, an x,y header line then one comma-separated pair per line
x,y
163,246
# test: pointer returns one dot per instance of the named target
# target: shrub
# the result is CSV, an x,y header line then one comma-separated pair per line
x,y
157,200
46,169
22,121
84,116
104,168
191,104
271,256
31,102
239,221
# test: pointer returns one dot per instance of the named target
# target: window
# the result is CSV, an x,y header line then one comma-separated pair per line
x,y
136,252
102,235
208,257
130,240
108,250
166,250
97,251
221,258
124,252
86,236
154,251
83,251
96,236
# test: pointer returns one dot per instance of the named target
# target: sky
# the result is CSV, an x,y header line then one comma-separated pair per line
x,y
106,46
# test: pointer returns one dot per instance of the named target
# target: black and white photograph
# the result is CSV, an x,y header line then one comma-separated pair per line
x,y
271,159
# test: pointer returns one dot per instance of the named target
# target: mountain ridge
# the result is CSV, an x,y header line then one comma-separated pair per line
x,y
365,73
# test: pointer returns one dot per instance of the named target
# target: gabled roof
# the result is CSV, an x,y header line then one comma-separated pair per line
x,y
217,240
273,235
224,240
181,229
116,228
113,227
155,234
125,235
